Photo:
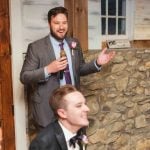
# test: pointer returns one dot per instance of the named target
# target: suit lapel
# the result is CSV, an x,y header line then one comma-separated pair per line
x,y
50,51
60,136
50,54
69,41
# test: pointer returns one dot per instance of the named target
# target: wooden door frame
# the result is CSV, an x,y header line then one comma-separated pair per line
x,y
78,21
6,96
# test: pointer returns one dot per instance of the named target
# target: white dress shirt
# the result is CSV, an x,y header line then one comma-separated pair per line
x,y
56,47
68,136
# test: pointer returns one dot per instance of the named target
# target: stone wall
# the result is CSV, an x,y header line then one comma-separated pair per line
x,y
119,100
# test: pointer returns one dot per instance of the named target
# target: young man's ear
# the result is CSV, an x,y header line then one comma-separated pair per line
x,y
61,113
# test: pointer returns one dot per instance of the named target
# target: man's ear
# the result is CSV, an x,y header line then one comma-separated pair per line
x,y
61,113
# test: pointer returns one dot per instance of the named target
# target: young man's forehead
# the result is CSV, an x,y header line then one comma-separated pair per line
x,y
76,95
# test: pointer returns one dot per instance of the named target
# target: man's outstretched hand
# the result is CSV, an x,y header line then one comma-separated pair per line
x,y
104,57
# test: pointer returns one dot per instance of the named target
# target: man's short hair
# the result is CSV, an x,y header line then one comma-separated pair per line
x,y
57,99
57,10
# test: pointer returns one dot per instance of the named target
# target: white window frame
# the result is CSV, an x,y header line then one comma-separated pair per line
x,y
129,23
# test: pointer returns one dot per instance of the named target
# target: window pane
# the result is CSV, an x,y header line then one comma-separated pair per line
x,y
103,26
111,26
112,7
121,26
122,7
103,7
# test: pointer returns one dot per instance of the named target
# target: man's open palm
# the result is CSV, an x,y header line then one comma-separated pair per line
x,y
104,57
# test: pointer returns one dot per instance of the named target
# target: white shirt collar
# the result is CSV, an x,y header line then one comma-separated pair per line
x,y
67,133
54,41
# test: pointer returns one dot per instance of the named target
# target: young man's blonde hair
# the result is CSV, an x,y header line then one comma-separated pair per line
x,y
57,100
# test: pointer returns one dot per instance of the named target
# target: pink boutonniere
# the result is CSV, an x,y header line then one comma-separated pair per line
x,y
85,139
78,138
73,46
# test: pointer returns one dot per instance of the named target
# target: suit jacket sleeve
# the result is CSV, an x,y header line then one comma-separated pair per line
x,y
32,70
84,67
39,54
37,145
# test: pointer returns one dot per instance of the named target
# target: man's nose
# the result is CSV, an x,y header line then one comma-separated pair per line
x,y
87,108
61,26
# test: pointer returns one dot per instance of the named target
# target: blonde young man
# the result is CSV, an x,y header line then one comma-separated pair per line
x,y
71,111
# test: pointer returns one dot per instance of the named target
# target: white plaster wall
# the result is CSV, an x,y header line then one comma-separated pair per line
x,y
34,19
94,24
17,59
142,20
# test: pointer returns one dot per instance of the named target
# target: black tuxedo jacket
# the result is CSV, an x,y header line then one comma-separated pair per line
x,y
50,138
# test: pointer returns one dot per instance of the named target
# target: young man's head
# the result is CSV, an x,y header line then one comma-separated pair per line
x,y
69,105
58,22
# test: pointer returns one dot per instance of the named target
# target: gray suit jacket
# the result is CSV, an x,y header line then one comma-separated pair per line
x,y
39,54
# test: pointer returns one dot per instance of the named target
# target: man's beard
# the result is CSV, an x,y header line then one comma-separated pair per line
x,y
57,37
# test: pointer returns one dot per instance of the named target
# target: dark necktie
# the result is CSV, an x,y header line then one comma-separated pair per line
x,y
76,139
66,71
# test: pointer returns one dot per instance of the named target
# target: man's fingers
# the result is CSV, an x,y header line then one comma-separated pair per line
x,y
104,50
113,53
62,58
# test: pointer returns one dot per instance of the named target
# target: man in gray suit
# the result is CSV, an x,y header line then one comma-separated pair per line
x,y
44,70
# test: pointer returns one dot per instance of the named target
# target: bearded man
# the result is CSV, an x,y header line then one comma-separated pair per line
x,y
44,69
